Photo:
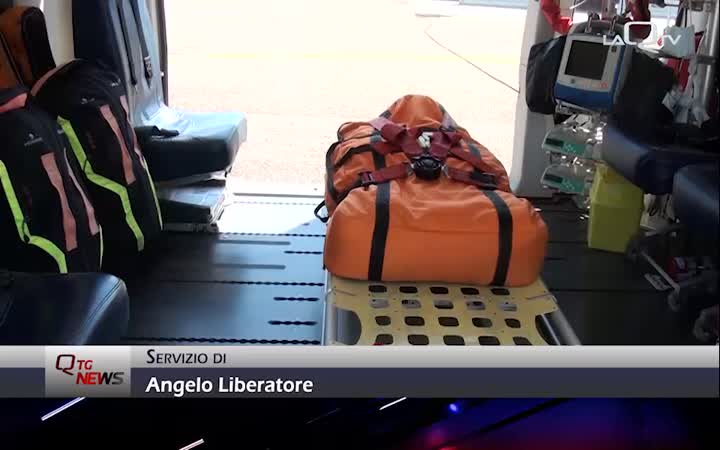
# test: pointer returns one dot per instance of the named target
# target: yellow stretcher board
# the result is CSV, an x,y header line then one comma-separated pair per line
x,y
371,313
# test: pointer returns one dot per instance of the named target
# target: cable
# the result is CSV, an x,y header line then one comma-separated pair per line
x,y
449,50
577,5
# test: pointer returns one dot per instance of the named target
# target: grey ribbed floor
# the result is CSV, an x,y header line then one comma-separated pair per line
x,y
261,281
606,299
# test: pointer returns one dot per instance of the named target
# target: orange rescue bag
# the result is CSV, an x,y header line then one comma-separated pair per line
x,y
411,196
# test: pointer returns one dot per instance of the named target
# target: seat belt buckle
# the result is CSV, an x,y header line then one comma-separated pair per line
x,y
366,179
427,167
424,139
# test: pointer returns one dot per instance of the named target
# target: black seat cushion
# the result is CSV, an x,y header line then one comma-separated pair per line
x,y
206,143
648,165
72,309
696,201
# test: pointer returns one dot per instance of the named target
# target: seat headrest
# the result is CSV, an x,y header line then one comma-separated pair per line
x,y
25,32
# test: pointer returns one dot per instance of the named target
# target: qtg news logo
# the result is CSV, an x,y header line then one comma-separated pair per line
x,y
84,373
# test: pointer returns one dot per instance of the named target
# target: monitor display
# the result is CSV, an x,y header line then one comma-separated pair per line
x,y
587,60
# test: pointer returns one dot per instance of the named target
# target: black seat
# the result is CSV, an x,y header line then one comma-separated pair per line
x,y
696,204
207,143
120,34
73,309
659,169
696,201
645,164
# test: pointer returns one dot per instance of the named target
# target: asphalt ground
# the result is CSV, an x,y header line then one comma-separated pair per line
x,y
299,69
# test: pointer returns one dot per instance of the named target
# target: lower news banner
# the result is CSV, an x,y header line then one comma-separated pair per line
x,y
371,372
428,372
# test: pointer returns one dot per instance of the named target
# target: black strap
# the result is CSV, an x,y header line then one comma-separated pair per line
x,y
147,132
147,61
352,152
341,195
322,219
382,224
10,60
126,41
34,33
505,234
505,227
484,177
330,172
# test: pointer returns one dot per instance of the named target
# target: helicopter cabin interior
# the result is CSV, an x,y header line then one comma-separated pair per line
x,y
233,267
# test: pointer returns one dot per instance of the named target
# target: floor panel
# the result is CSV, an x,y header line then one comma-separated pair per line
x,y
604,297
259,214
609,318
566,227
575,267
240,312
233,258
261,281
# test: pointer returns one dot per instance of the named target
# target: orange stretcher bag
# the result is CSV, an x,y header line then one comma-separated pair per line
x,y
412,197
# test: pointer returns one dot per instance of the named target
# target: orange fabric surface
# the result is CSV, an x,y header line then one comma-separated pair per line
x,y
438,230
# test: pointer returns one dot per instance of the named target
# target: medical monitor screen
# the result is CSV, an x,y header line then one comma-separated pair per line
x,y
587,60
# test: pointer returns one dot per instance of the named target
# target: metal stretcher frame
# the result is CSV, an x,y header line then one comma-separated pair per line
x,y
370,313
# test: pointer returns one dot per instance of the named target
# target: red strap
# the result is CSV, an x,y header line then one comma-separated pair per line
x,y
639,10
403,137
406,138
481,180
398,171
640,13
442,142
385,148
475,161
379,122
551,11
385,174
447,121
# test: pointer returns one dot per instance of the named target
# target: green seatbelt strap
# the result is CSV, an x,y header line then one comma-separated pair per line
x,y
103,182
23,231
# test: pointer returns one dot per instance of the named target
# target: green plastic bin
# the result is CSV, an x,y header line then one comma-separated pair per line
x,y
616,207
